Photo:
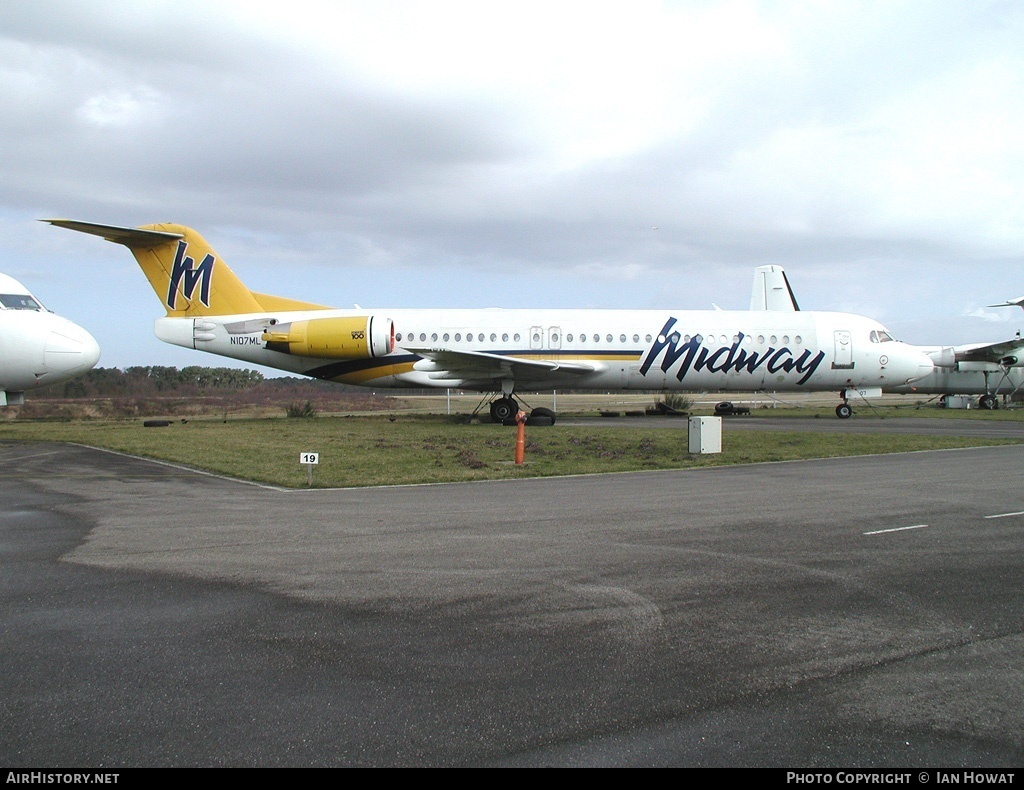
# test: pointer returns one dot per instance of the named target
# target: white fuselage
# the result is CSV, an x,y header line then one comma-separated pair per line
x,y
624,349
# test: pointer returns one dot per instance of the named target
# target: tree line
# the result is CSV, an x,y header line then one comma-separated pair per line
x,y
153,380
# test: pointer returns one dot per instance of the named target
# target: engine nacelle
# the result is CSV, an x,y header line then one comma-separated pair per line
x,y
943,357
346,337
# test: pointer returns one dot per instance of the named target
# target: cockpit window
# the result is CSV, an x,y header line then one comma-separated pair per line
x,y
880,337
19,302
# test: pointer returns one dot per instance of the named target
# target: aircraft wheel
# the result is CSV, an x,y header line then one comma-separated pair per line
x,y
504,409
844,411
988,402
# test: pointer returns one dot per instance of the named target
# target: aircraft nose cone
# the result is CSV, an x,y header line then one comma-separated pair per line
x,y
90,352
70,350
919,365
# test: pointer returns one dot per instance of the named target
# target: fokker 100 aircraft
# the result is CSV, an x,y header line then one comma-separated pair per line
x,y
37,347
509,351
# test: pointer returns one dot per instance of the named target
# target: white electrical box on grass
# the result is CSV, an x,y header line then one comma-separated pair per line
x,y
705,434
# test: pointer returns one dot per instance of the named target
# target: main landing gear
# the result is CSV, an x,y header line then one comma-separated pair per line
x,y
988,401
504,409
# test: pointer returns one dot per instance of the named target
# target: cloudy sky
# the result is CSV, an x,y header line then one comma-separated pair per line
x,y
551,154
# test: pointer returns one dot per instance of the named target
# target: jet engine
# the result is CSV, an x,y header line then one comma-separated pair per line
x,y
345,337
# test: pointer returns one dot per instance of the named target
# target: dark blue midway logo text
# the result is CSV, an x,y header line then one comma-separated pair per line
x,y
694,355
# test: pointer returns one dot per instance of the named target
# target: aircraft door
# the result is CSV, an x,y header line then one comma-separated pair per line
x,y
554,337
843,359
536,337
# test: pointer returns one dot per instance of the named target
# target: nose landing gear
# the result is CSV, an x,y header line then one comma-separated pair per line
x,y
844,410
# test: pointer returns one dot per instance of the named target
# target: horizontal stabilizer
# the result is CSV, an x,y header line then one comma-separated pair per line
x,y
1018,302
130,237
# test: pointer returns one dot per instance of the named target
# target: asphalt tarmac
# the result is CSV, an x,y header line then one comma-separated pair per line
x,y
851,612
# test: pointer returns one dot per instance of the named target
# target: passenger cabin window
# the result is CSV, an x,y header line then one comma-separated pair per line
x,y
19,302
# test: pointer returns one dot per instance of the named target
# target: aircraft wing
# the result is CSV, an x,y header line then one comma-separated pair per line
x,y
445,364
1009,352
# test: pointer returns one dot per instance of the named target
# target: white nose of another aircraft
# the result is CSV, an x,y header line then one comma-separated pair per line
x,y
69,350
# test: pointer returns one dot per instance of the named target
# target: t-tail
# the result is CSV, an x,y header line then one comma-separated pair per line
x,y
189,278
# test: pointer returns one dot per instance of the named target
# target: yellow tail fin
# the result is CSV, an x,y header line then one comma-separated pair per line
x,y
187,275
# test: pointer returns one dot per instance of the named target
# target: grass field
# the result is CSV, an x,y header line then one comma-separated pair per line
x,y
408,448
814,404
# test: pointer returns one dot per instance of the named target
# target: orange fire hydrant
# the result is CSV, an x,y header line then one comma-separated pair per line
x,y
520,437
